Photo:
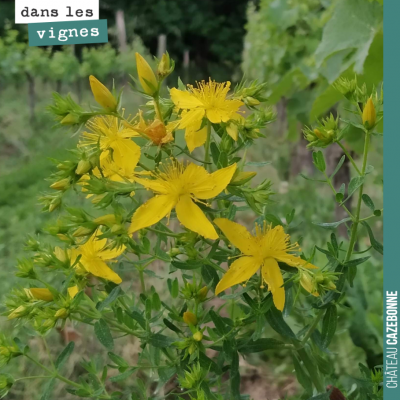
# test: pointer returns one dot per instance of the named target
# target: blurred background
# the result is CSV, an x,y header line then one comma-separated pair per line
x,y
300,47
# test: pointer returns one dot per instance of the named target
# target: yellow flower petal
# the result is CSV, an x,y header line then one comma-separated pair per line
x,y
99,268
233,132
192,117
238,235
184,100
272,275
195,137
191,216
214,184
223,112
41,294
152,211
240,271
73,291
155,185
109,254
294,261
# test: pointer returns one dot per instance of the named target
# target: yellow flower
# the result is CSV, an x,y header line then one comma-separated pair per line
x,y
41,294
110,132
263,250
209,101
177,186
369,114
146,76
102,95
93,255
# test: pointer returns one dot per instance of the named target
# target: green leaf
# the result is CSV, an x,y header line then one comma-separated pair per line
x,y
235,376
331,225
302,375
357,261
354,184
214,152
48,388
187,265
208,364
311,179
156,302
103,334
160,341
218,322
138,318
124,375
171,326
114,294
368,202
64,355
374,243
278,324
255,346
173,287
319,160
353,26
209,275
273,219
340,163
117,360
329,324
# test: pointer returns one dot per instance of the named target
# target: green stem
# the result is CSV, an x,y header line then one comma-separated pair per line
x,y
312,370
33,377
157,108
328,181
312,327
207,146
48,351
142,284
349,157
354,228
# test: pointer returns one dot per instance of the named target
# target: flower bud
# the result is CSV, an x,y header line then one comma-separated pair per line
x,y
198,336
251,101
369,114
174,252
189,318
83,167
102,95
62,313
165,67
117,228
82,231
41,294
202,293
146,76
63,184
105,219
70,119
55,203
18,312
240,178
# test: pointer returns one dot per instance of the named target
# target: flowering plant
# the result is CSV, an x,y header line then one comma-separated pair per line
x,y
193,333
